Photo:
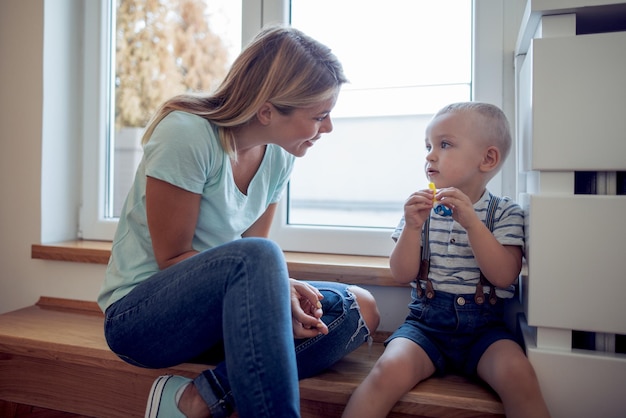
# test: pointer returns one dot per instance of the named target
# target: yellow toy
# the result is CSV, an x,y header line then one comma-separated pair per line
x,y
439,208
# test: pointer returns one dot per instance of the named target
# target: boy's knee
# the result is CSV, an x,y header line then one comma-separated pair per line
x,y
368,307
505,362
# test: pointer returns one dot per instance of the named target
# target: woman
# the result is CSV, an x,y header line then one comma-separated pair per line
x,y
192,270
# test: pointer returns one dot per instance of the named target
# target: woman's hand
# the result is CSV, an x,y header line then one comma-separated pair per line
x,y
306,310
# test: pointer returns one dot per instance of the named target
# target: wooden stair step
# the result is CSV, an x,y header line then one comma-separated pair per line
x,y
53,355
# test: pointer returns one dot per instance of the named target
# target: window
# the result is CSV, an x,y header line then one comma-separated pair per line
x,y
160,49
145,49
346,195
405,59
149,51
398,79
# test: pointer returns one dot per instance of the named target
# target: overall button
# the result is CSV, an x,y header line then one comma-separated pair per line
x,y
460,300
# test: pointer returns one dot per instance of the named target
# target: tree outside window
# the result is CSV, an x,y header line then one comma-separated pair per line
x,y
162,48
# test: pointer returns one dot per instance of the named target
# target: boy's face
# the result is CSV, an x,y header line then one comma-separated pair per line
x,y
455,150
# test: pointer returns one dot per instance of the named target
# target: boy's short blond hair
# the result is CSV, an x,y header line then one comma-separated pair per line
x,y
497,128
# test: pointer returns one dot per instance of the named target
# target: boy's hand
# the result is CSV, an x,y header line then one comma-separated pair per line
x,y
461,205
417,208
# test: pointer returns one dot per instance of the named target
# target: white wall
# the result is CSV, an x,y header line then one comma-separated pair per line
x,y
39,197
23,280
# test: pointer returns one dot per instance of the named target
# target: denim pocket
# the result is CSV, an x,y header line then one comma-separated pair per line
x,y
418,310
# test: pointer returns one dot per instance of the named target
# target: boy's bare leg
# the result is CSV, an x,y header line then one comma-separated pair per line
x,y
505,367
402,365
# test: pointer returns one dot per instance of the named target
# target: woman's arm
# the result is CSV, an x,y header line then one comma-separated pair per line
x,y
261,227
172,215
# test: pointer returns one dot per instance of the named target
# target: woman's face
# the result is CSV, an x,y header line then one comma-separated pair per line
x,y
299,130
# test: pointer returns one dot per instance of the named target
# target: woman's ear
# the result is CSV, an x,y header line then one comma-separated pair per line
x,y
265,112
491,159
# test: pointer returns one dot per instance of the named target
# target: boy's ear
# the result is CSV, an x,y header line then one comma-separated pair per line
x,y
264,114
491,159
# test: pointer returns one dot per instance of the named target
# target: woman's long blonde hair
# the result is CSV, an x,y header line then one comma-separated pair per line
x,y
281,66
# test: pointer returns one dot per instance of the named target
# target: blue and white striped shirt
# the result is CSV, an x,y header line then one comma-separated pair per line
x,y
453,268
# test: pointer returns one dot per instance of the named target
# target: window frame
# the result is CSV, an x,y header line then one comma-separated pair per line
x,y
487,85
92,223
98,106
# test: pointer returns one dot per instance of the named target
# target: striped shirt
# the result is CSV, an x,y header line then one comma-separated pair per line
x,y
453,268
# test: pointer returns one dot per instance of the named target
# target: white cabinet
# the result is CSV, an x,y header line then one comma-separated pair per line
x,y
577,262
571,117
578,96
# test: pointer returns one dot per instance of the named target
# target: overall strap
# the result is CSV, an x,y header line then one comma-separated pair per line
x,y
479,296
425,264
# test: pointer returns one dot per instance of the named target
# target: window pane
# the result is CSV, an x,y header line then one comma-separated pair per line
x,y
162,48
404,59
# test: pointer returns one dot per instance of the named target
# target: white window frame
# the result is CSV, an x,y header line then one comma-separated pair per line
x,y
487,85
92,223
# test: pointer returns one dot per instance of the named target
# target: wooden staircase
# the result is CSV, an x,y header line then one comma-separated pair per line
x,y
53,355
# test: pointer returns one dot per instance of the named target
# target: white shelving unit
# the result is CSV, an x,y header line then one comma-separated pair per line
x,y
571,117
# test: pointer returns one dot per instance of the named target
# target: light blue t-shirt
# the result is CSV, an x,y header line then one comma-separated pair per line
x,y
453,267
184,150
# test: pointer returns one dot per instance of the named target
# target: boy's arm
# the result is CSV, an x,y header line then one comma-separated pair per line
x,y
501,264
404,260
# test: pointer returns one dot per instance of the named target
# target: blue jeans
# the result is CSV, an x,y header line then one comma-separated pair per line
x,y
231,304
454,330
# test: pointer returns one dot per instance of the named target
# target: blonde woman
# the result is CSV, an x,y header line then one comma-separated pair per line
x,y
192,274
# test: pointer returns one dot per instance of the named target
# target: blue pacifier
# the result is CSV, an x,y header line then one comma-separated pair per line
x,y
442,210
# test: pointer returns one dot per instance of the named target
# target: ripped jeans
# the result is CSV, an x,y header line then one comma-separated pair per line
x,y
230,306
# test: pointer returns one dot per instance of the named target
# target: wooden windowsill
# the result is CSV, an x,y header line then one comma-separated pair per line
x,y
353,269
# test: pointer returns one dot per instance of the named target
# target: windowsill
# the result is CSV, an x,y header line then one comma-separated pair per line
x,y
353,269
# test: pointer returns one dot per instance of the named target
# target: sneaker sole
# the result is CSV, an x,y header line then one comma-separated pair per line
x,y
152,408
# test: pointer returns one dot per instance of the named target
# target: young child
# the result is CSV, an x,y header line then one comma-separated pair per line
x,y
451,327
